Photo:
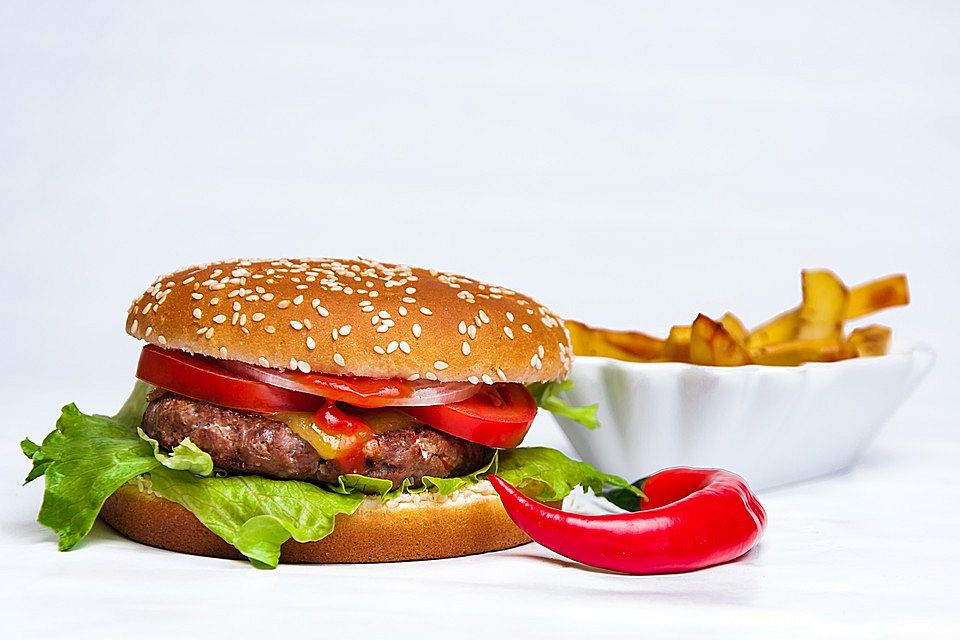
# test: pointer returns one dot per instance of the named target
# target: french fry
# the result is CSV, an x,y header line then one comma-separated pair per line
x,y
711,344
811,332
632,346
677,348
779,329
734,327
824,306
879,294
796,352
872,340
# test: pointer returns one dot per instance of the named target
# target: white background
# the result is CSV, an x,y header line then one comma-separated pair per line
x,y
628,164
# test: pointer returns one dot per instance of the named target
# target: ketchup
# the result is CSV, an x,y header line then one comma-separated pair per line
x,y
353,432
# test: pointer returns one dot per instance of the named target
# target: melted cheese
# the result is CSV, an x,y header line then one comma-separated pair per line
x,y
328,445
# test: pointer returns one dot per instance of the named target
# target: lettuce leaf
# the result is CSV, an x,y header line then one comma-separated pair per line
x,y
88,457
84,460
546,395
547,475
186,456
254,514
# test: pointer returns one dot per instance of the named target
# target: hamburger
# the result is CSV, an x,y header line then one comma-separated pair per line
x,y
319,410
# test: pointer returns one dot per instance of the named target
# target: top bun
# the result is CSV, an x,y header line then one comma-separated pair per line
x,y
354,317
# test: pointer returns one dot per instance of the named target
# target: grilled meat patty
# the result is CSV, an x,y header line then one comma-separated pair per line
x,y
254,444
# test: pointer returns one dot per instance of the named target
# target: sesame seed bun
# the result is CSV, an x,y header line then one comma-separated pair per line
x,y
469,521
356,317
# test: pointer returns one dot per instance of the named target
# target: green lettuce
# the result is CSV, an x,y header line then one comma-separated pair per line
x,y
546,395
547,475
84,460
88,457
186,456
254,514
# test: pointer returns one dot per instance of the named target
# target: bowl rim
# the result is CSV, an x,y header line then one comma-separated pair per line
x,y
897,354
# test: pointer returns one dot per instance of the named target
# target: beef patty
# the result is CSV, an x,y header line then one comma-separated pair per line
x,y
254,444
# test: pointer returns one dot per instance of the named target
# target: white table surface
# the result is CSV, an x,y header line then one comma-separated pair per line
x,y
869,553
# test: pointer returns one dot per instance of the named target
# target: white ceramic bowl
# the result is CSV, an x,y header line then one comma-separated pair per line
x,y
772,425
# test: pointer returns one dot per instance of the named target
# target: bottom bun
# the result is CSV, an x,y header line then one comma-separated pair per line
x,y
414,527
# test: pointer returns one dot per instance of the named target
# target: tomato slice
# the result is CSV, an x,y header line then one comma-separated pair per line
x,y
499,415
202,378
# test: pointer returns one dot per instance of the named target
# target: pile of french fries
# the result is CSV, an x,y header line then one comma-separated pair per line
x,y
811,332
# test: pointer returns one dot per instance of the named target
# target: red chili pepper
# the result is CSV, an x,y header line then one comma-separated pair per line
x,y
691,519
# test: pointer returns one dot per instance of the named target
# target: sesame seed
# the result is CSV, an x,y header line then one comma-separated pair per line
x,y
220,318
383,328
267,297
235,318
209,333
413,376
374,320
501,375
345,329
402,310
270,328
322,311
462,327
415,330
197,314
486,379
408,300
383,314
311,343
339,360
196,296
526,327
298,300
540,350
188,280
257,317
283,304
214,301
510,316
472,332
392,346
533,360
223,352
425,311
302,286
303,366
315,303
484,317
440,365
473,380
334,333
263,361
465,348
148,332
133,326
161,340
509,332
404,346
293,363
296,324
410,290
378,349
236,306
430,375
307,323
